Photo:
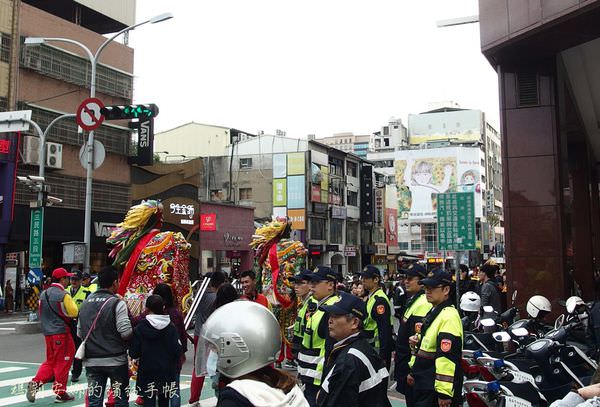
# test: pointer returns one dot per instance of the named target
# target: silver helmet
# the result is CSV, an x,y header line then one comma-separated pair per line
x,y
245,335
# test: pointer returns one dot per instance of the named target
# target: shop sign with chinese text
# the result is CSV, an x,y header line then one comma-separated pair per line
x,y
456,221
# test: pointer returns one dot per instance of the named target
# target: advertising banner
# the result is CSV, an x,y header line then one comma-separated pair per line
x,y
391,227
295,164
325,184
315,193
461,125
298,217
279,192
296,192
279,166
422,174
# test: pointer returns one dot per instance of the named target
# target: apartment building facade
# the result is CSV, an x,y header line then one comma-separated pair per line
x,y
53,79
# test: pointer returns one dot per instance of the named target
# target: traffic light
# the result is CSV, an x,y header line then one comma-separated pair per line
x,y
128,112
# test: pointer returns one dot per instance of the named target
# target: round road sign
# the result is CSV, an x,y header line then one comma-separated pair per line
x,y
88,114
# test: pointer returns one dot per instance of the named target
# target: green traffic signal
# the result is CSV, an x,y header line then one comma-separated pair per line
x,y
129,112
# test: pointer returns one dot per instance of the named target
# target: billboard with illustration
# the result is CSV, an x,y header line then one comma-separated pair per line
x,y
422,174
459,125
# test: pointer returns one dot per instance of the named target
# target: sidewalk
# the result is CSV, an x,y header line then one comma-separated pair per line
x,y
15,316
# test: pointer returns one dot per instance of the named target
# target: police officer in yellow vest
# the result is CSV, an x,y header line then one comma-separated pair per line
x,y
410,323
86,282
436,372
79,293
304,298
316,341
379,324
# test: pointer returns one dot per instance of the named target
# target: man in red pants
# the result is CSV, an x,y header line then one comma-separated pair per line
x,y
56,309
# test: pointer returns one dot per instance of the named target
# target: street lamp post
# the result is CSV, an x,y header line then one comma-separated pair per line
x,y
93,58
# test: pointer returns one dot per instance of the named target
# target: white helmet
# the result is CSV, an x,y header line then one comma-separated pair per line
x,y
538,306
470,302
245,335
572,303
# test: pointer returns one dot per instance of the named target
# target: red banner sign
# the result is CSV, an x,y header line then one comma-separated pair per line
x,y
391,227
208,222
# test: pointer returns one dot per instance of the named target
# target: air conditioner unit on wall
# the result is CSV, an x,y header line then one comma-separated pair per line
x,y
31,150
54,155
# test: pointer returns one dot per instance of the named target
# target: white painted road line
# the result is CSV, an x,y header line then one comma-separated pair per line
x,y
12,382
11,369
7,401
7,329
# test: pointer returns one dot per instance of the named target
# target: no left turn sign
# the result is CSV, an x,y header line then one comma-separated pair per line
x,y
88,114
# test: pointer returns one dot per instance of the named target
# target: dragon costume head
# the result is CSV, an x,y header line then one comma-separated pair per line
x,y
140,220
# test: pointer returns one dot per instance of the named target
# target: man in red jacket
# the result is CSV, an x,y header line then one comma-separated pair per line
x,y
56,310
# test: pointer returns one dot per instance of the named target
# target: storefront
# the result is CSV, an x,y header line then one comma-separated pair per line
x,y
64,225
225,235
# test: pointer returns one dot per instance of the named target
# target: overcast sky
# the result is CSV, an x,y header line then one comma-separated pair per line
x,y
308,67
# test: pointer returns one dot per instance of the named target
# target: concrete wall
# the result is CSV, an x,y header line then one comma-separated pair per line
x,y
122,11
37,23
193,140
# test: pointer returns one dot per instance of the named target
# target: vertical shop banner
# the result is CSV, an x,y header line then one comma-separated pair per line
x,y
325,184
279,165
296,192
298,217
279,192
391,227
295,164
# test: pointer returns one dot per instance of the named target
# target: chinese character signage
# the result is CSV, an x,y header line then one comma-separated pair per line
x,y
208,222
279,192
456,221
298,218
36,237
279,166
391,227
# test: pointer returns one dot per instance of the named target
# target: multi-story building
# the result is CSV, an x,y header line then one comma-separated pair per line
x,y
318,187
196,140
391,137
472,145
53,79
546,57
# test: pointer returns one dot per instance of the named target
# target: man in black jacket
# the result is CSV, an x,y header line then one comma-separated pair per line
x,y
106,346
354,374
490,293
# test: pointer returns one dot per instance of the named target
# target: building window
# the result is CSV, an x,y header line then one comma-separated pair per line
x,y
351,233
217,195
415,245
5,48
336,231
352,198
429,237
245,194
245,163
403,245
317,228
351,169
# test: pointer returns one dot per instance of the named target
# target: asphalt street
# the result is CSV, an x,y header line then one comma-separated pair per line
x,y
21,354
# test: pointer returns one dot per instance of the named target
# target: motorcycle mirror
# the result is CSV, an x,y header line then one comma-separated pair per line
x,y
487,322
559,321
488,308
562,303
514,296
501,336
520,332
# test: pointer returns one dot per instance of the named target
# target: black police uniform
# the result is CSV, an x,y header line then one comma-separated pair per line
x,y
354,375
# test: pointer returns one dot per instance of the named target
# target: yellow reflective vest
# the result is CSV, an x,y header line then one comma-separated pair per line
x,y
383,309
312,355
436,366
301,318
80,296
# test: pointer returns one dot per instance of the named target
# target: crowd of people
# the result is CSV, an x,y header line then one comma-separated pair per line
x,y
342,344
